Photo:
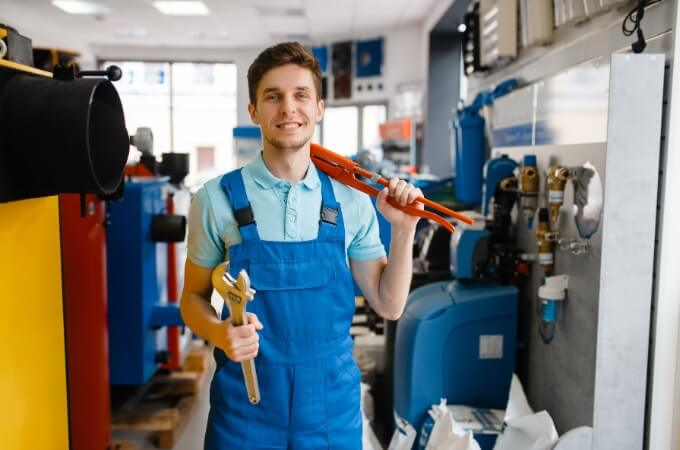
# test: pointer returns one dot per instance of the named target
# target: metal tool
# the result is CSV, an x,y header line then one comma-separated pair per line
x,y
345,171
236,293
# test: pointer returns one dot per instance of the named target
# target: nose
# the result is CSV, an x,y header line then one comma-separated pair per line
x,y
288,105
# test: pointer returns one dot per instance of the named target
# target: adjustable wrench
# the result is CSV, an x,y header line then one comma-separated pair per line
x,y
236,293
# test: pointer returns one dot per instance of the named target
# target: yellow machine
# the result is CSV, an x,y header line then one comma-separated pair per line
x,y
52,141
33,363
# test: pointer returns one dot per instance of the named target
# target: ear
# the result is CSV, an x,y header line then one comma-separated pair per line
x,y
253,114
320,106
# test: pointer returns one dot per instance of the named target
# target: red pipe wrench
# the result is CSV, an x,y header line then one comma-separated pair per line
x,y
344,170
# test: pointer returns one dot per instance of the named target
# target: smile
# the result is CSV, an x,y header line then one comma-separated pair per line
x,y
289,125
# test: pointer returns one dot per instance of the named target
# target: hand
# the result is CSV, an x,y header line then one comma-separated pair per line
x,y
404,194
240,343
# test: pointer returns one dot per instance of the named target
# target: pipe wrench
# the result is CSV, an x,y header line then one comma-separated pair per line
x,y
345,171
236,293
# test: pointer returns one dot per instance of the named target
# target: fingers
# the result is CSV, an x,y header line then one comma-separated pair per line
x,y
245,352
402,192
381,199
242,342
243,331
412,195
252,319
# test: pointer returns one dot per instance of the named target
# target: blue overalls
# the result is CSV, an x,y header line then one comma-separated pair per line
x,y
309,382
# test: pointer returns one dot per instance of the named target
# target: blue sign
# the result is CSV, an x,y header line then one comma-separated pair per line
x,y
369,58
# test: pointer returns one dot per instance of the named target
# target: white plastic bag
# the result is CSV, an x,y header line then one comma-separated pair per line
x,y
369,441
446,433
518,405
404,435
533,432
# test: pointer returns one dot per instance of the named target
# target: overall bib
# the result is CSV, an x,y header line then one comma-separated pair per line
x,y
309,382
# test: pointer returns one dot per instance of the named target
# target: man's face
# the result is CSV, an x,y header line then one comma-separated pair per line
x,y
287,108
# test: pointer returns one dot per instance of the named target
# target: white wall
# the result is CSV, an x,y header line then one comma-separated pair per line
x,y
401,65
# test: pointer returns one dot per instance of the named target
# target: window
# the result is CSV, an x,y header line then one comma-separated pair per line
x,y
341,129
190,107
346,129
372,117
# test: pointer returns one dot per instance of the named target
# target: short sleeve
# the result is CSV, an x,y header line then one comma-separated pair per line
x,y
366,244
205,247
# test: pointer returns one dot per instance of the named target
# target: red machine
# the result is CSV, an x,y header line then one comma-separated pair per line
x,y
83,247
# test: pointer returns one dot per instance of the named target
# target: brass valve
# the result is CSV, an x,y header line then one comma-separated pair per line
x,y
545,239
557,177
529,186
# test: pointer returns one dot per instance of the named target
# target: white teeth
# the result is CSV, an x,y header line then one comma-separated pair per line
x,y
288,125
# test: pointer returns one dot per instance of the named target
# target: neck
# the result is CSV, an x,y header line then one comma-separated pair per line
x,y
287,165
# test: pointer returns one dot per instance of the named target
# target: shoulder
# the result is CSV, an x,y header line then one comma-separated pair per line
x,y
345,194
211,195
355,204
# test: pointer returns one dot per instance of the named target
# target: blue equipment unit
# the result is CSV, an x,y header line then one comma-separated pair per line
x,y
468,128
469,247
137,275
470,144
455,340
495,170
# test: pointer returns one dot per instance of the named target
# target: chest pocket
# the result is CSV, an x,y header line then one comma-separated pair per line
x,y
298,299
290,275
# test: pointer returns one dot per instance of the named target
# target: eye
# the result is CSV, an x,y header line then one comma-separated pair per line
x,y
303,95
272,97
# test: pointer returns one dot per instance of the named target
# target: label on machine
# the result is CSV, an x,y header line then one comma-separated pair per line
x,y
491,346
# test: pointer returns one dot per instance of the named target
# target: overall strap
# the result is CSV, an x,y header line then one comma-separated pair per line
x,y
233,186
331,225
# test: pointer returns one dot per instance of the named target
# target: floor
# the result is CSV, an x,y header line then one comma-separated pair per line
x,y
192,437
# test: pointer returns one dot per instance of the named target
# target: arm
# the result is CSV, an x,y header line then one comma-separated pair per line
x,y
239,343
386,282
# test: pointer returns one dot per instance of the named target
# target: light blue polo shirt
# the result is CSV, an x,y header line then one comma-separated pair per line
x,y
283,211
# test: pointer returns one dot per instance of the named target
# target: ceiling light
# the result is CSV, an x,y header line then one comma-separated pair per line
x,y
81,7
182,8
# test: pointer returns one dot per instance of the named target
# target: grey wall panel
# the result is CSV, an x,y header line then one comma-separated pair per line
x,y
595,370
443,93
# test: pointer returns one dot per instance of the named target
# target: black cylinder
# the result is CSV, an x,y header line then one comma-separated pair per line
x,y
176,166
60,136
168,228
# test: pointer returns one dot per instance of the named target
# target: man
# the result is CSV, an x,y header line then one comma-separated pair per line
x,y
302,238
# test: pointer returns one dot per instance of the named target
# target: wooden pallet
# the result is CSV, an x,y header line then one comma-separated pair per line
x,y
123,445
165,405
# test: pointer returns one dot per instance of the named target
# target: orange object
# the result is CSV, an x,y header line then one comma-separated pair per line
x,y
396,130
345,171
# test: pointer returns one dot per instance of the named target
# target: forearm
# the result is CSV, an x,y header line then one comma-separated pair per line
x,y
395,280
199,315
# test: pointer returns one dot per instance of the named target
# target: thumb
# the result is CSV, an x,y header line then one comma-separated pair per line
x,y
252,318
382,195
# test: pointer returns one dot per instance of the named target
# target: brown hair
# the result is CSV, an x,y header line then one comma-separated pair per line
x,y
280,55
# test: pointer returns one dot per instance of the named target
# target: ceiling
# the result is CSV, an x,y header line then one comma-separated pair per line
x,y
230,24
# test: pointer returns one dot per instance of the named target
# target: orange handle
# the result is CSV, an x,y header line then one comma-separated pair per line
x,y
434,205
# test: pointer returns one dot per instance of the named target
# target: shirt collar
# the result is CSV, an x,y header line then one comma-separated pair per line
x,y
266,180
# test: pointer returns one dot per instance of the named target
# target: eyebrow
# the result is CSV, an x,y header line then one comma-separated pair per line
x,y
275,89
